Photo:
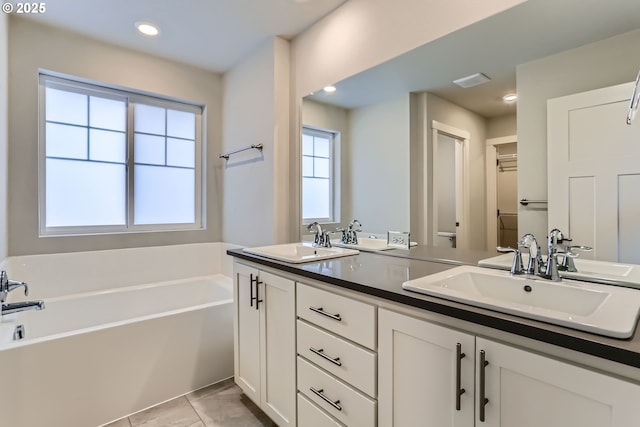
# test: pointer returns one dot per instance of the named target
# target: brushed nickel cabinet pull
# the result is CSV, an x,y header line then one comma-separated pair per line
x,y
482,399
321,395
334,360
319,310
459,390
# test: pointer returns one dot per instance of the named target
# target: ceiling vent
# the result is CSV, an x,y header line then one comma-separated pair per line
x,y
472,80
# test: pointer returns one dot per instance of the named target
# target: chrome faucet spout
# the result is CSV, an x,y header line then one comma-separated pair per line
x,y
17,307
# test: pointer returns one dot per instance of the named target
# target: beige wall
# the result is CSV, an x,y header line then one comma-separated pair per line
x,y
596,65
502,126
33,46
4,99
256,110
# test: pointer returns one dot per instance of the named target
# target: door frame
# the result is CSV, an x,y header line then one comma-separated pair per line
x,y
462,234
491,171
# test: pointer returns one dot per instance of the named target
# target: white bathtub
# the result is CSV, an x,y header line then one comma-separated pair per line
x,y
108,346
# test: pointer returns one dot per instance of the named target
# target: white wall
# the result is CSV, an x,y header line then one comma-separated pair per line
x,y
4,99
596,65
33,46
379,165
256,110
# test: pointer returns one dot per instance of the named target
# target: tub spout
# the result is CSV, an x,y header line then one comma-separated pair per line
x,y
17,307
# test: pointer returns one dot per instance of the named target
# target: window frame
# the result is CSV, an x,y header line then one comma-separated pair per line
x,y
334,176
131,97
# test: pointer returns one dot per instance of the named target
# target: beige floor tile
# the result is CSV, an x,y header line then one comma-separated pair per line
x,y
224,405
175,413
120,423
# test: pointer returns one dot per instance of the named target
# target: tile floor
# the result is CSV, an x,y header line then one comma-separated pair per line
x,y
219,405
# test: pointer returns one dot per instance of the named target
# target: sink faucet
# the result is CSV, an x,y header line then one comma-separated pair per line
x,y
7,286
567,260
321,238
349,234
535,263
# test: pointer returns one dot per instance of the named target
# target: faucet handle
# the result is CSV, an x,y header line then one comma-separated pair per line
x,y
13,284
516,265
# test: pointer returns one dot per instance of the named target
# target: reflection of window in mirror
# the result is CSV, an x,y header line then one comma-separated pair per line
x,y
318,166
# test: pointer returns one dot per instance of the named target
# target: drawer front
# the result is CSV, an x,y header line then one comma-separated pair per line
x,y
309,415
344,316
335,397
349,362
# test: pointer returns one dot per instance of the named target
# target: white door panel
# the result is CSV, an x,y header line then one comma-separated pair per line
x,y
593,168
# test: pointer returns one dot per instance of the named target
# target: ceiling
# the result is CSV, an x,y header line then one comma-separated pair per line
x,y
211,34
494,46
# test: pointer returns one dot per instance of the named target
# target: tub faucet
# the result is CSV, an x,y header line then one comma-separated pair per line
x,y
17,307
7,286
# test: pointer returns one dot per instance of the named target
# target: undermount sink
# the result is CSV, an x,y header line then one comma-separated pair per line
x,y
611,273
602,309
299,252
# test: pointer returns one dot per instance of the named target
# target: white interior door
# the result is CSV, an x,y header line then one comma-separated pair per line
x,y
594,172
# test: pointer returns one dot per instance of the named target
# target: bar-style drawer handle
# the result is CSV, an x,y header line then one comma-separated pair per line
x,y
321,395
483,398
319,310
459,390
335,361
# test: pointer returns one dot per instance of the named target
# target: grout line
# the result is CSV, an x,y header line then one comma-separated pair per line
x,y
196,411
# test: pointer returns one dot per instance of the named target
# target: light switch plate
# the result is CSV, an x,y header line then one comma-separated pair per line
x,y
399,239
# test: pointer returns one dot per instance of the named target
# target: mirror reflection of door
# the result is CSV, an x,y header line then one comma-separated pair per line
x,y
507,194
449,194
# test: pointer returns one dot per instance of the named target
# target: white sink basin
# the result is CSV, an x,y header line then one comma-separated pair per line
x,y
606,310
365,244
611,273
299,252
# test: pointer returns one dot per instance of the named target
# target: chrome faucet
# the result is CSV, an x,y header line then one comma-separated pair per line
x,y
349,234
321,238
516,265
534,266
567,260
554,239
7,286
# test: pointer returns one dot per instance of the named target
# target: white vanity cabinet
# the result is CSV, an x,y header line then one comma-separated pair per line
x,y
425,374
337,360
421,373
264,341
525,389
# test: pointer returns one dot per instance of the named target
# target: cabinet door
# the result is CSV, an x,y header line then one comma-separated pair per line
x,y
278,342
529,390
246,337
419,374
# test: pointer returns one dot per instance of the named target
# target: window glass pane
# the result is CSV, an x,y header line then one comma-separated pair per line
x,y
65,107
181,124
322,147
148,149
149,119
107,113
321,168
307,166
307,145
315,198
180,152
81,193
66,141
155,185
107,146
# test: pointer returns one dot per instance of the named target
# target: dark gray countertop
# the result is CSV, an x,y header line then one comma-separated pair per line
x,y
382,275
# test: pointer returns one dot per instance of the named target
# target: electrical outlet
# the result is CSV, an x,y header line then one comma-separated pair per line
x,y
398,239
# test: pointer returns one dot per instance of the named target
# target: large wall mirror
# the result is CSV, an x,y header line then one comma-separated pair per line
x,y
419,153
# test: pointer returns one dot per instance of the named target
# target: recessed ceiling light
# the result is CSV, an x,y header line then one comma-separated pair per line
x,y
329,89
147,28
510,97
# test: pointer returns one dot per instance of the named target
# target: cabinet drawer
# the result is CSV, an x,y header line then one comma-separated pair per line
x,y
338,399
349,362
310,415
344,316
